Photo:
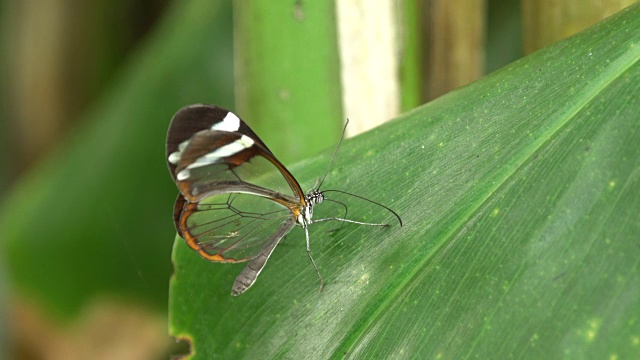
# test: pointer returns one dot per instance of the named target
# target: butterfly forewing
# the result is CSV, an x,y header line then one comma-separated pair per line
x,y
207,146
194,118
206,170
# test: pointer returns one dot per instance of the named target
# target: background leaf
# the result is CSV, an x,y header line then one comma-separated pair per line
x,y
520,196
287,74
93,219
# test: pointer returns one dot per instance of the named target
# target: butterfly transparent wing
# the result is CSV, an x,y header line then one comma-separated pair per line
x,y
214,160
235,196
233,227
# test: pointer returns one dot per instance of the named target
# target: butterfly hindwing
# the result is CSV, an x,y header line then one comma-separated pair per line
x,y
231,227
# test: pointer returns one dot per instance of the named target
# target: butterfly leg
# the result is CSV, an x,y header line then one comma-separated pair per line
x,y
349,221
306,232
344,216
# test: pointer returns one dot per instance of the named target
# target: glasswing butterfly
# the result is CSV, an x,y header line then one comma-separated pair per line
x,y
231,207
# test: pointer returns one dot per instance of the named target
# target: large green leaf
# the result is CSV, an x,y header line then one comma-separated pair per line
x,y
521,199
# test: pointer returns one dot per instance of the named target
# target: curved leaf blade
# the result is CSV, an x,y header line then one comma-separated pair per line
x,y
520,196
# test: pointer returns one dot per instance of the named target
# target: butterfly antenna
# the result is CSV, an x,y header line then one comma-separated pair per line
x,y
346,209
371,201
344,130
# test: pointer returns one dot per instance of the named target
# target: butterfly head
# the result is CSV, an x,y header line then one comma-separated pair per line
x,y
315,197
312,197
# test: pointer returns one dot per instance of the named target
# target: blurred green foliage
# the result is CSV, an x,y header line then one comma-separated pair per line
x,y
95,217
504,34
288,74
